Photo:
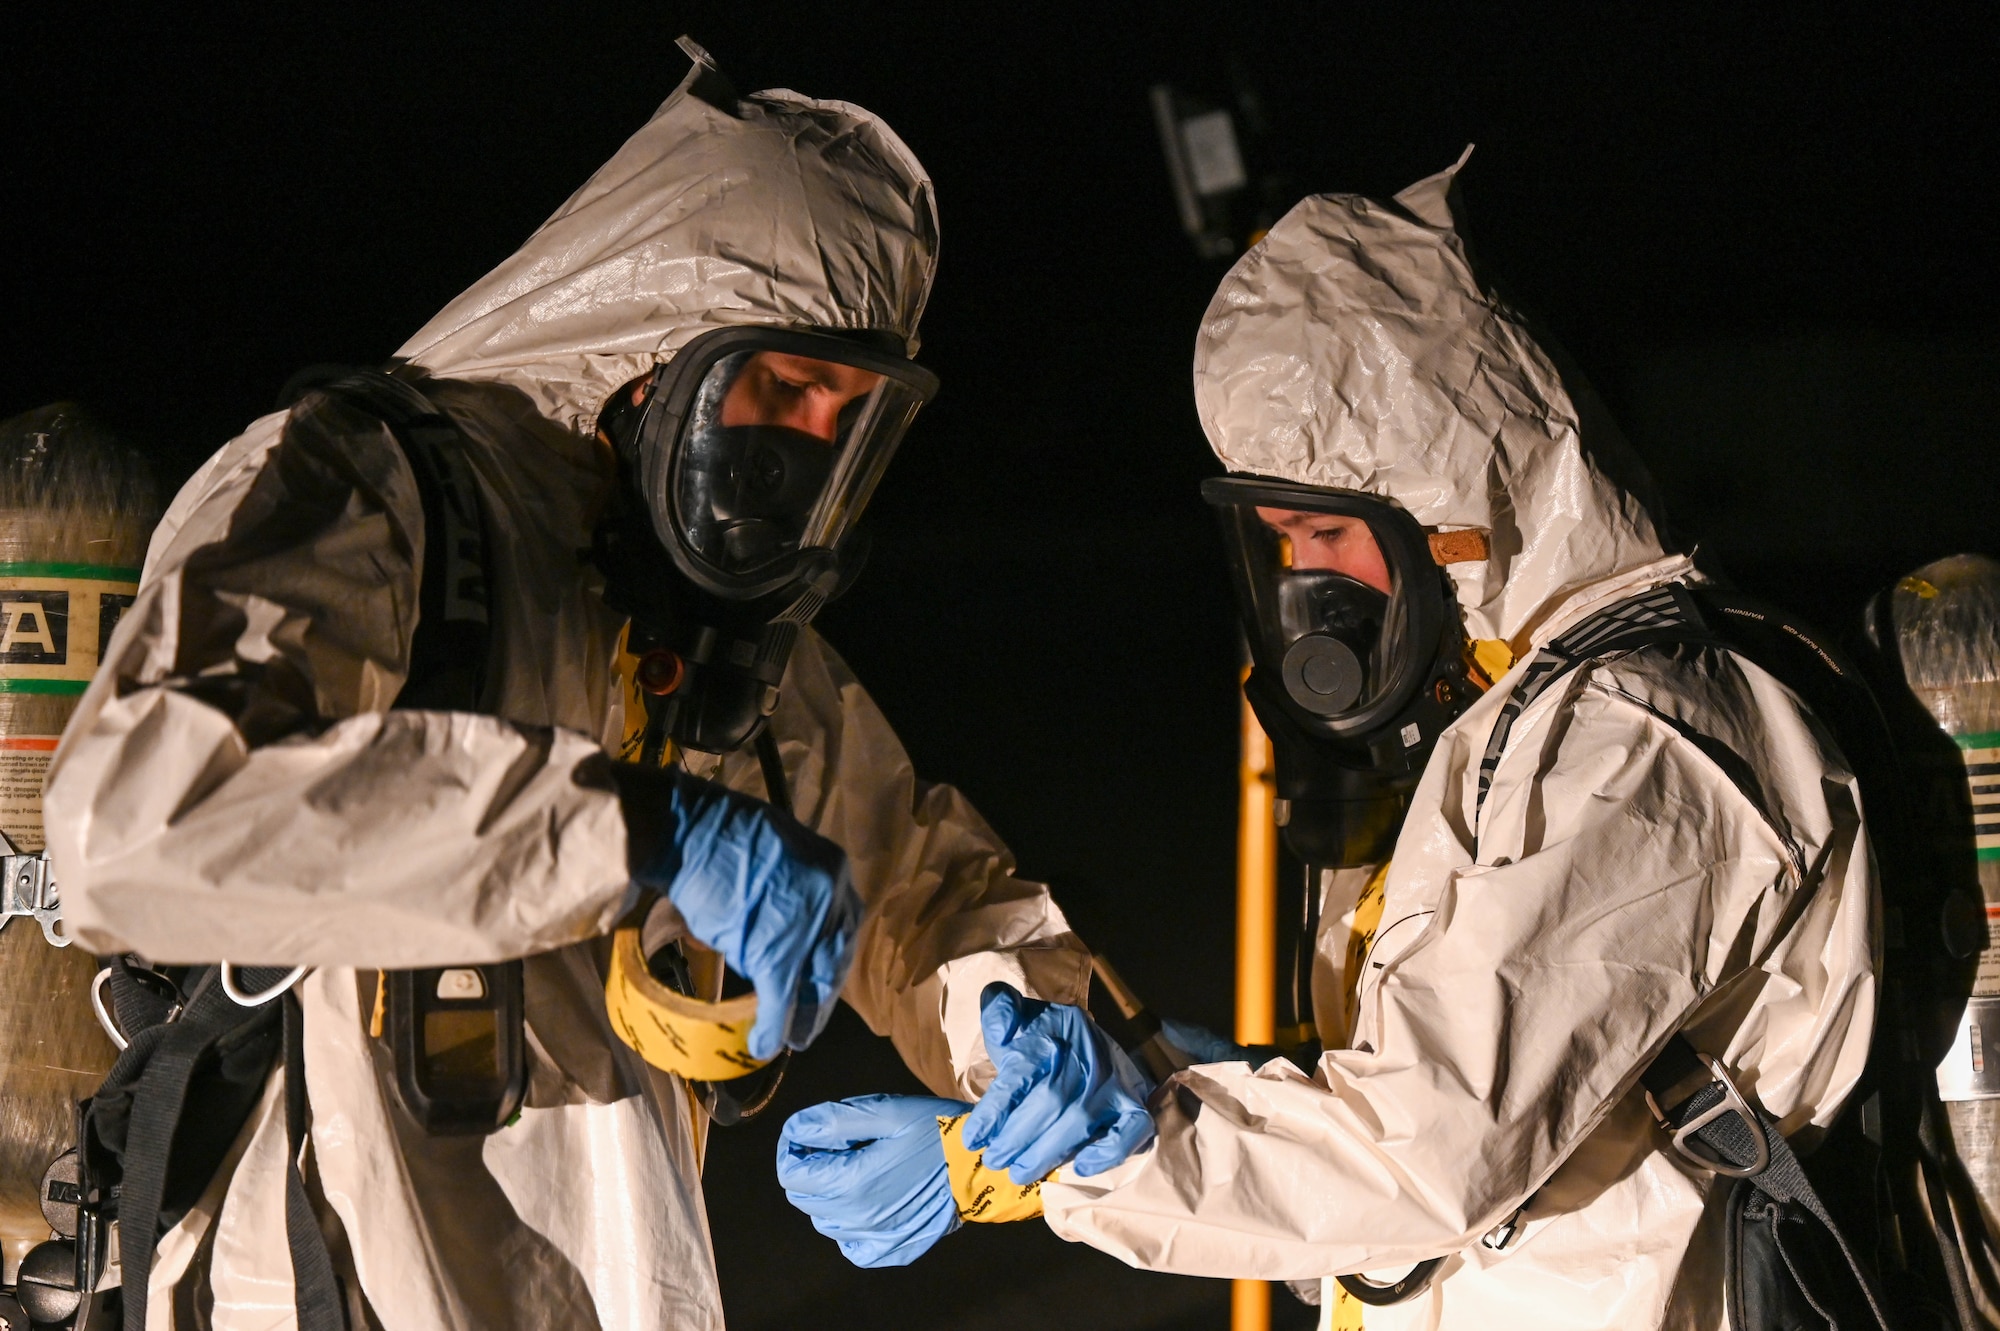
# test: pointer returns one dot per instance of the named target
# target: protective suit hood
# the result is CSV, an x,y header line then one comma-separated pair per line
x,y
770,209
1354,348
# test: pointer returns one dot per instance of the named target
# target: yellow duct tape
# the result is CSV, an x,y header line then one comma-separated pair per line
x,y
1493,657
675,1033
985,1196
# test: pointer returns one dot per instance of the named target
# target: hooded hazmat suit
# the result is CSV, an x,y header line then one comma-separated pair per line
x,y
1670,843
233,786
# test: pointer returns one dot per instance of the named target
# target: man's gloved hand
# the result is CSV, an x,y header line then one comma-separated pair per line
x,y
1203,1045
1063,1090
753,884
871,1173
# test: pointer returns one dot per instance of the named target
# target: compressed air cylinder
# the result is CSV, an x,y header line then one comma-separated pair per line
x,y
76,509
1947,621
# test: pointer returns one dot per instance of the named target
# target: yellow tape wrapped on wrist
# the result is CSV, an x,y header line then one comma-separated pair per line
x,y
697,1040
985,1196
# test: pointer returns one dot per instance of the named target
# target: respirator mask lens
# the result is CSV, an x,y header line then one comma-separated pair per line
x,y
759,445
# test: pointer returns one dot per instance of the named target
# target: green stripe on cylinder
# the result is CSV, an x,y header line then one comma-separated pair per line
x,y
95,572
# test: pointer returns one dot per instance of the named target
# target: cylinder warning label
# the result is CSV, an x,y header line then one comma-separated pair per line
x,y
24,761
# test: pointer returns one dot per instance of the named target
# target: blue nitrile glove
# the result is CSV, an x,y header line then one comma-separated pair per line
x,y
870,1172
1063,1090
1204,1045
773,898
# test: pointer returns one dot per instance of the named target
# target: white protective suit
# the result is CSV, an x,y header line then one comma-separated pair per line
x,y
1619,886
233,787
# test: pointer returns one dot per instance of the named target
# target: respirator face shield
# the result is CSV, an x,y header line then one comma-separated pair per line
x,y
1357,655
744,466
757,450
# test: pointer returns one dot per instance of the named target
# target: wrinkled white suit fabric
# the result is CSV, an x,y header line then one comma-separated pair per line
x,y
1621,883
234,787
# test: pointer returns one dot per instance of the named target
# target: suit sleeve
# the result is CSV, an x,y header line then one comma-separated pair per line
x,y
946,912
233,785
1510,1019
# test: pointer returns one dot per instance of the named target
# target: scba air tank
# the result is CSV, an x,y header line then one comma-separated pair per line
x,y
76,509
1947,626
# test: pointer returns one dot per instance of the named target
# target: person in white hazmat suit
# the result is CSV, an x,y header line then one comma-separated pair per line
x,y
1662,841
235,787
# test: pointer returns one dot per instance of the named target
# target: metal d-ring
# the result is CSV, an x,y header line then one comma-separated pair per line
x,y
241,999
103,1016
1732,1102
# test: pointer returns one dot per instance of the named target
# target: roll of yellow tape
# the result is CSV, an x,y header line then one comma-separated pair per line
x,y
984,1196
675,1033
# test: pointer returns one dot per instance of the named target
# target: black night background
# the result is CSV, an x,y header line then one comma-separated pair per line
x,y
1768,233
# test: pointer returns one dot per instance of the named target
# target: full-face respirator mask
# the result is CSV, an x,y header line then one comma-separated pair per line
x,y
742,474
1358,656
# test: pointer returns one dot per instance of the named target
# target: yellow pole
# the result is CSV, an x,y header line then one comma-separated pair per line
x,y
1256,891
1256,948
1249,1305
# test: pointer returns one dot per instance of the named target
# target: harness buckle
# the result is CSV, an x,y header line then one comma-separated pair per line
x,y
1685,1135
1502,1234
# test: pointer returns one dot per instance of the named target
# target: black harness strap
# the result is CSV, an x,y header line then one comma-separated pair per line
x,y
449,650
136,1006
317,1292
1740,1139
1666,614
141,1114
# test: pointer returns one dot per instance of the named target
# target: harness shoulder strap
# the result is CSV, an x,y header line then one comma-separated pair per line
x,y
1664,614
449,659
448,653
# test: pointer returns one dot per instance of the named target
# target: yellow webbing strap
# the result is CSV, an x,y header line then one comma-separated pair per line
x,y
633,704
1493,658
630,1011
1338,1310
985,1196
1360,935
675,1033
